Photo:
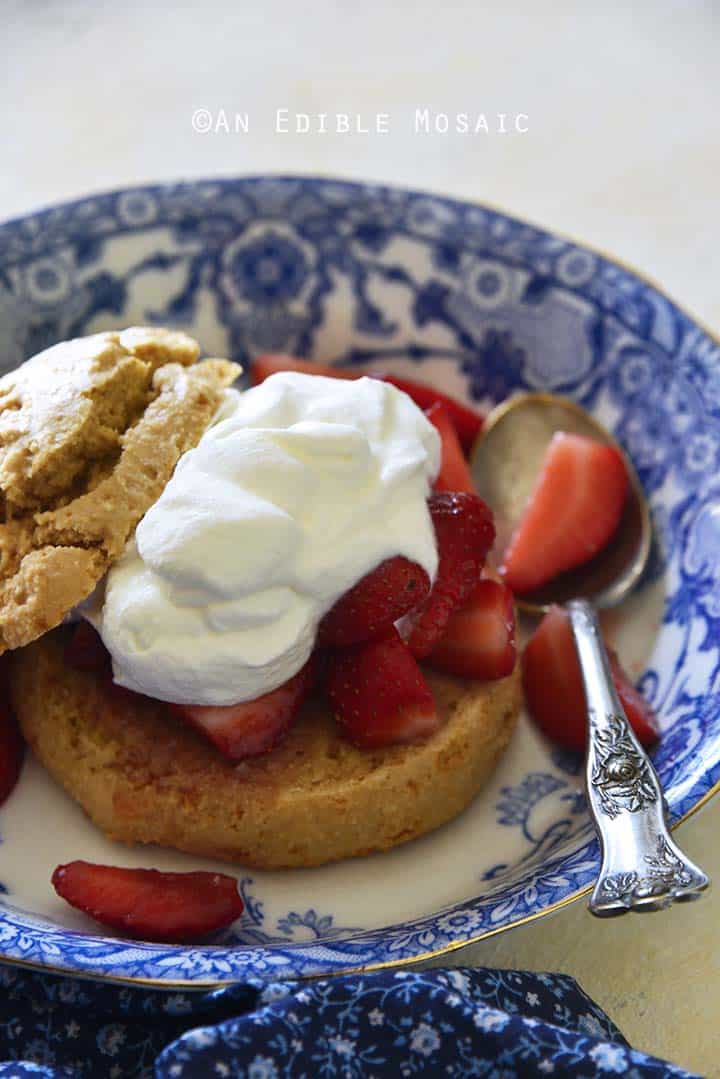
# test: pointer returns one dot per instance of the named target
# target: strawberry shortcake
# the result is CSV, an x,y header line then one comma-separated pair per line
x,y
300,654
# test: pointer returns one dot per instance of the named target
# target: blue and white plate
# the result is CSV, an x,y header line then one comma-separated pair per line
x,y
481,305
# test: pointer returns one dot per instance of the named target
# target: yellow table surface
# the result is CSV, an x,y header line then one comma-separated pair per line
x,y
656,975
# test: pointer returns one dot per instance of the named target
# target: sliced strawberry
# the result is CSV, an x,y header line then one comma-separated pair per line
x,y
571,514
638,711
272,362
250,728
454,474
374,604
121,695
85,650
479,639
12,746
467,423
149,905
12,752
465,533
554,690
379,694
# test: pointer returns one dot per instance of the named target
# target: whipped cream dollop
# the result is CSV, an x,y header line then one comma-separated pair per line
x,y
303,485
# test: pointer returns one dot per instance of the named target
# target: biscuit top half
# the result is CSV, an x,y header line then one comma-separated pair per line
x,y
90,433
68,408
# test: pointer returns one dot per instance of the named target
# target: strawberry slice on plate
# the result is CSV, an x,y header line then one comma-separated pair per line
x,y
379,694
465,533
85,650
467,423
639,713
150,905
12,746
273,362
572,512
454,474
479,639
554,690
253,727
371,607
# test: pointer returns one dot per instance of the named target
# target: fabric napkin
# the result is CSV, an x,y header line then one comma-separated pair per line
x,y
453,1023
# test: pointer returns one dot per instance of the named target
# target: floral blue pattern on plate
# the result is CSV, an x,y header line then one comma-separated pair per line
x,y
481,304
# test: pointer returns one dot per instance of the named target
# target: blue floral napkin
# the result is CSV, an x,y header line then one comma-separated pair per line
x,y
453,1023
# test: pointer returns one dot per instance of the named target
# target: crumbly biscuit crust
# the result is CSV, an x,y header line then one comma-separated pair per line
x,y
90,432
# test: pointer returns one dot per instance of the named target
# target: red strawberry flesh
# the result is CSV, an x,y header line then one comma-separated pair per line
x,y
273,362
639,713
479,639
554,690
467,423
375,603
148,904
572,512
380,695
85,650
252,727
454,474
465,533
12,746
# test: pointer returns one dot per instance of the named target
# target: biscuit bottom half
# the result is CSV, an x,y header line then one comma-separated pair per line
x,y
143,777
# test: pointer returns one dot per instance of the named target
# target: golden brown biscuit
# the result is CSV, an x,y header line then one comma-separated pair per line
x,y
90,433
145,778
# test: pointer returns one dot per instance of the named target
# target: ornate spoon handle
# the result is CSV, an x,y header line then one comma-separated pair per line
x,y
642,867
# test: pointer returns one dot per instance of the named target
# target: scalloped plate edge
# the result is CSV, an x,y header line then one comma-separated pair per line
x,y
365,968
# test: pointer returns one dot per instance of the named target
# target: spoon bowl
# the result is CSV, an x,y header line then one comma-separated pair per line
x,y
505,463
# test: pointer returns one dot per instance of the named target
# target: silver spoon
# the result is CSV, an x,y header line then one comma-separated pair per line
x,y
642,867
